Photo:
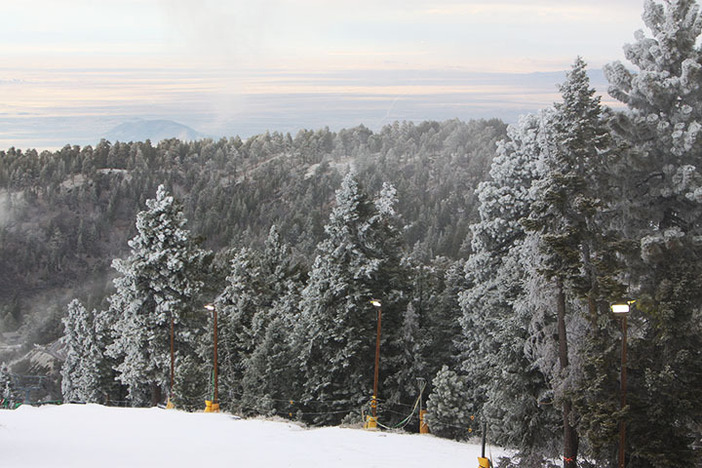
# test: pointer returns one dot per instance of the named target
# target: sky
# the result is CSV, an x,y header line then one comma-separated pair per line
x,y
70,70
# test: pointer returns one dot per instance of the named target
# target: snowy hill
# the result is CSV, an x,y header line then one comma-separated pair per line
x,y
79,436
154,130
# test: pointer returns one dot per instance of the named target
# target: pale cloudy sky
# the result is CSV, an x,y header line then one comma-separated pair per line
x,y
70,70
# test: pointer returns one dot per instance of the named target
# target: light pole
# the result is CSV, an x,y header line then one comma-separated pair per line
x,y
374,403
622,310
213,406
169,403
423,427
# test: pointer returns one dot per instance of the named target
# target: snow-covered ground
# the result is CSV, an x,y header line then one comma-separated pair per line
x,y
92,436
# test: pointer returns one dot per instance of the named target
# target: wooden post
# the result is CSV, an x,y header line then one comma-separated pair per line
x,y
377,364
213,406
172,358
622,422
216,393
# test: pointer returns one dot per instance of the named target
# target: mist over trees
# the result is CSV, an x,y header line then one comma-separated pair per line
x,y
496,253
67,214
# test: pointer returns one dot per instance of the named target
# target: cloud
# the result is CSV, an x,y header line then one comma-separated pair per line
x,y
315,34
544,12
213,63
231,32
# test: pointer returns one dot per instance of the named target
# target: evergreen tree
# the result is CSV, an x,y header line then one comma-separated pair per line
x,y
271,380
244,297
442,320
506,384
156,290
662,186
8,394
431,323
383,240
262,292
193,382
411,362
566,216
448,410
358,261
85,372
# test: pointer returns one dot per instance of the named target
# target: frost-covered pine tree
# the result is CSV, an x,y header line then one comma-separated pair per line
x,y
449,410
193,381
566,217
156,287
244,297
85,374
443,313
663,124
8,395
271,379
383,240
506,384
431,323
663,214
262,288
358,260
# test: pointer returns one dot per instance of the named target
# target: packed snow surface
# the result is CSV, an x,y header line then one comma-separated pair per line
x,y
80,436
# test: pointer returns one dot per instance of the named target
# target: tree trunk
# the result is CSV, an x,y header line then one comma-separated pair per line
x,y
155,394
570,436
591,276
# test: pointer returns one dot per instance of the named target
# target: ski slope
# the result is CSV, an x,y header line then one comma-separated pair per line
x,y
89,436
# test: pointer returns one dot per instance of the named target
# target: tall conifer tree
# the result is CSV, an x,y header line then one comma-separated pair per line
x,y
566,216
663,214
359,260
85,372
157,286
506,385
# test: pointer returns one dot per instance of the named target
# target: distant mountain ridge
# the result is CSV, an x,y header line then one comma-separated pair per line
x,y
154,130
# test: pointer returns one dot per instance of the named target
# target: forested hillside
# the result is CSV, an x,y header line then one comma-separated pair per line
x,y
491,255
66,214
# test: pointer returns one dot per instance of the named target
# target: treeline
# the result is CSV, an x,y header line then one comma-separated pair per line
x,y
295,338
66,214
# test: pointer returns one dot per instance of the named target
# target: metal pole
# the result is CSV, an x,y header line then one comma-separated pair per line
x,y
172,357
482,461
216,393
622,422
377,363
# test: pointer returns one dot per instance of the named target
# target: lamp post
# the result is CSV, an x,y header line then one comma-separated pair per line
x,y
374,403
622,310
213,406
169,403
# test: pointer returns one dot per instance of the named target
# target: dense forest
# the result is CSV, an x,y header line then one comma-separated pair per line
x,y
492,253
67,214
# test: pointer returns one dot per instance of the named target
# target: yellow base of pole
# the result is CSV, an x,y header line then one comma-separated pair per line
x,y
211,407
483,462
371,424
423,427
169,404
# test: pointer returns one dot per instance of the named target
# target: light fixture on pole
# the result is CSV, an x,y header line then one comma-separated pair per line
x,y
213,406
372,422
622,310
